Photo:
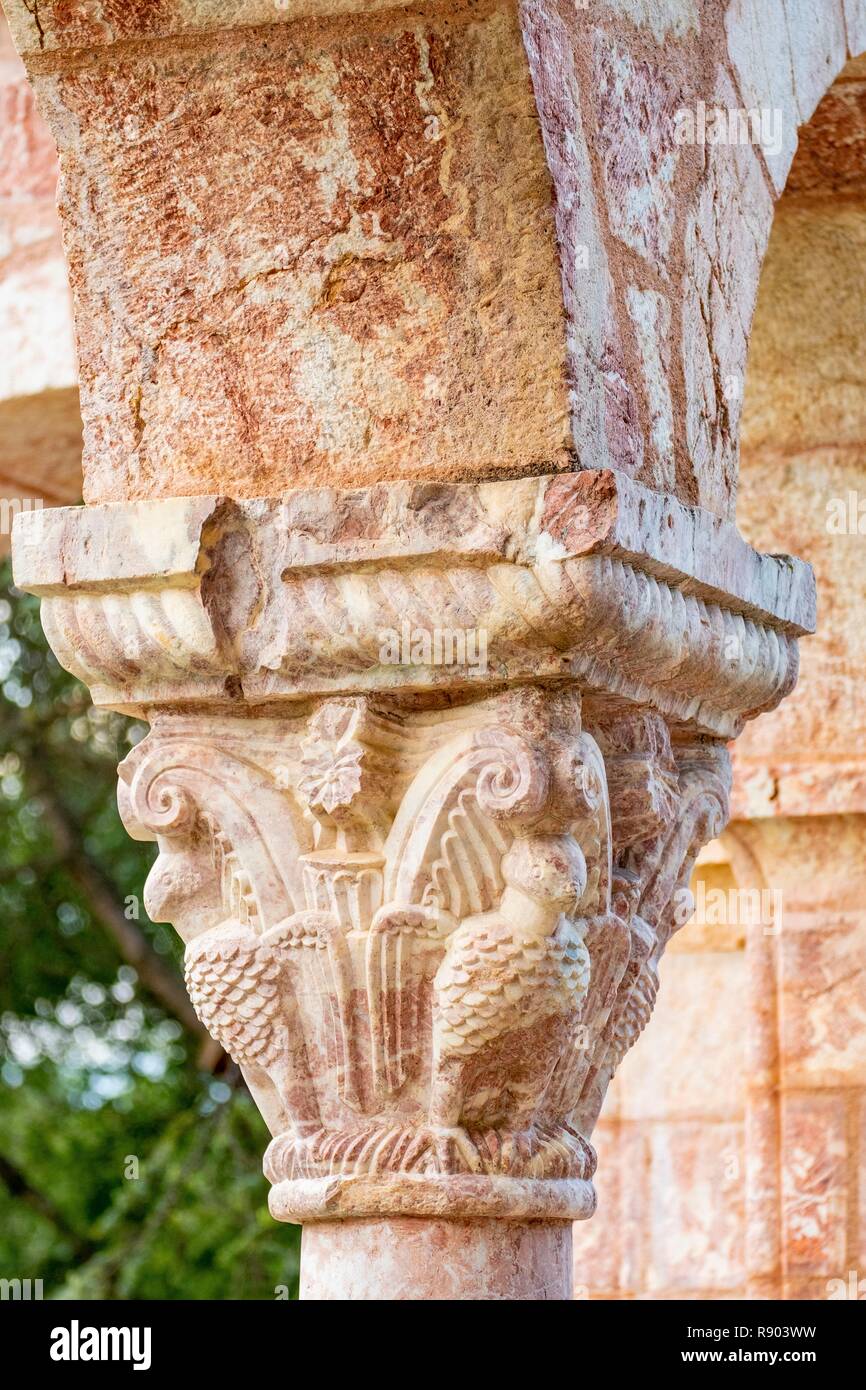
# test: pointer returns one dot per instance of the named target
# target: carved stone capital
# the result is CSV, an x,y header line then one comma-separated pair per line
x,y
424,900
429,988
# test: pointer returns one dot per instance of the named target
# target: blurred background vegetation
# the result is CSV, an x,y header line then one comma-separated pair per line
x,y
130,1150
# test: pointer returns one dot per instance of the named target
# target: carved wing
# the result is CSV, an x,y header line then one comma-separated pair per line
x,y
442,863
323,969
470,788
465,876
697,813
608,944
234,985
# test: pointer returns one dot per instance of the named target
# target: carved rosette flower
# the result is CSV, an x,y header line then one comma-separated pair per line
x,y
331,776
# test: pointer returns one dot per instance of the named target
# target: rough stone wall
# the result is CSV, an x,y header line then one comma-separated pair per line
x,y
815,1134
732,1152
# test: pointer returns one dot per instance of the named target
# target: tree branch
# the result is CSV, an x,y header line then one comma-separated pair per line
x,y
20,1189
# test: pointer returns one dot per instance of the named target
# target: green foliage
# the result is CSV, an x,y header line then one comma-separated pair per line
x,y
126,1169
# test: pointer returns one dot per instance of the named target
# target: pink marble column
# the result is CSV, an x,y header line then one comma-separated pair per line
x,y
408,1258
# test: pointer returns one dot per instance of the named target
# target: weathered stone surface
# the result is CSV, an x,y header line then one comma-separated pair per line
x,y
695,1204
314,245
587,289
662,1081
823,984
346,269
591,577
57,24
663,18
726,238
636,104
831,157
41,449
436,1260
807,343
819,48
651,315
814,1183
785,57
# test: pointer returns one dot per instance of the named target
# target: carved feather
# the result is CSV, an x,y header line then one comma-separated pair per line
x,y
494,981
234,984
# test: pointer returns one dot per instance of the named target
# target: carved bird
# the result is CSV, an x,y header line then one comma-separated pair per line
x,y
507,998
243,988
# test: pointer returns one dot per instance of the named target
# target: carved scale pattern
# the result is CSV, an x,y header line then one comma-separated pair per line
x,y
236,993
493,982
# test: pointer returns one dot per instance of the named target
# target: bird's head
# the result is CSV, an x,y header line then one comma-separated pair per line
x,y
550,871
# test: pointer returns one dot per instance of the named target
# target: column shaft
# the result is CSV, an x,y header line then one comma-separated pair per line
x,y
406,1258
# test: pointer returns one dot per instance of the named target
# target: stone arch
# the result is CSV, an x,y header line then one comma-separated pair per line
x,y
661,226
778,61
